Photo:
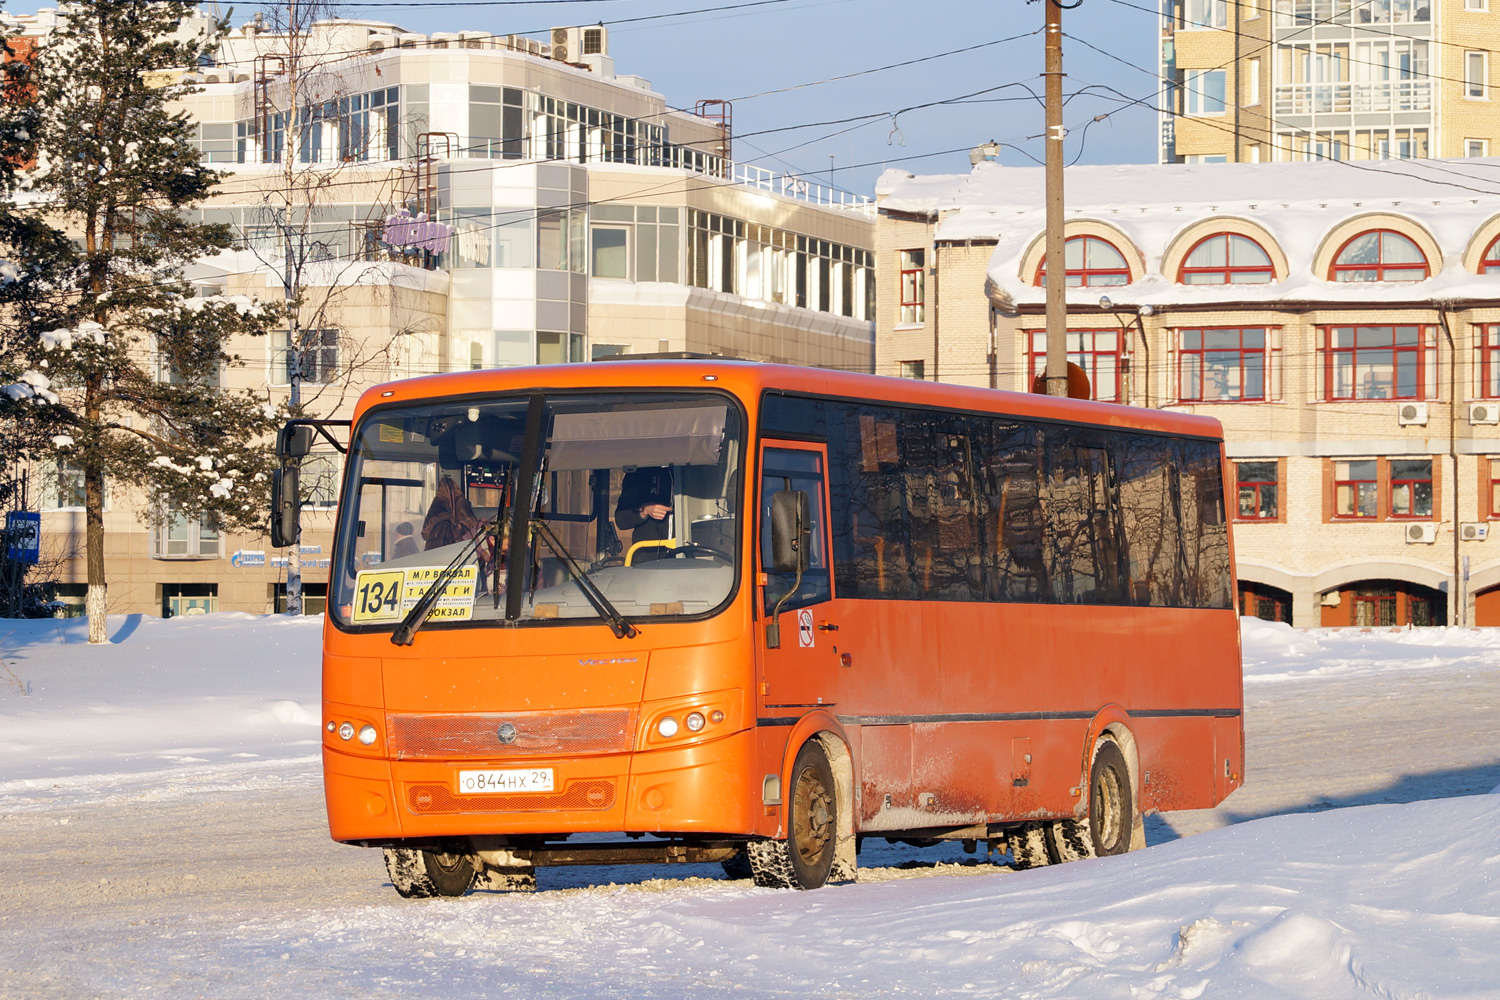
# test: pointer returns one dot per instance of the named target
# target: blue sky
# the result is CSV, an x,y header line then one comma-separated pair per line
x,y
740,53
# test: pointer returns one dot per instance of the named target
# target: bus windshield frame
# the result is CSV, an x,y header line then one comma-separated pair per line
x,y
426,476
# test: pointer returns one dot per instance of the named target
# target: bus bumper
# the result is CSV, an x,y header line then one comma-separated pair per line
x,y
699,788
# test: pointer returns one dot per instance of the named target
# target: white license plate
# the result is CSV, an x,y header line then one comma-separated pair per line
x,y
528,779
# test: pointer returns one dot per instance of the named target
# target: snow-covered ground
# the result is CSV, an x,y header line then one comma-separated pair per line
x,y
160,835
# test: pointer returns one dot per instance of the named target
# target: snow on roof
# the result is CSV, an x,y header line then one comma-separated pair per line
x,y
1297,203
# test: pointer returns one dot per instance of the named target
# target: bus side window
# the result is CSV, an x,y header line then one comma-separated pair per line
x,y
789,469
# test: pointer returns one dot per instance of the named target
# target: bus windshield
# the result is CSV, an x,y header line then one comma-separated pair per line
x,y
638,491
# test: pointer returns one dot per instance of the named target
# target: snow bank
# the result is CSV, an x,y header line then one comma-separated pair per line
x,y
163,693
1391,901
1277,652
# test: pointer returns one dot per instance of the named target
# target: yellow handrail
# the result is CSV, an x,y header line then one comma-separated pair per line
x,y
652,543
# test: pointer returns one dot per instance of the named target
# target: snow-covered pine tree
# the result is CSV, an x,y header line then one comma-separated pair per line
x,y
127,387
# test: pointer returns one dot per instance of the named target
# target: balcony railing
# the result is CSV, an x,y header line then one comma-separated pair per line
x,y
1297,13
1353,98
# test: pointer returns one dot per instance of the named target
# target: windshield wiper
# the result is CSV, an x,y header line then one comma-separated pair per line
x,y
617,622
417,616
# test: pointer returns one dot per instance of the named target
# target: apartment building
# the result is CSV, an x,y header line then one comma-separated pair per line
x,y
1246,82
469,200
1341,321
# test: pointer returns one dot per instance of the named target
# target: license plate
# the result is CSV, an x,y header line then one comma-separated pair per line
x,y
528,779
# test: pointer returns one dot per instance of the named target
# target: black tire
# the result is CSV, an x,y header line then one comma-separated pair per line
x,y
1069,840
805,858
408,873
450,874
1028,847
1111,822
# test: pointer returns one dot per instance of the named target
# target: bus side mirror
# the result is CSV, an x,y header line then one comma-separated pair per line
x,y
293,441
286,505
791,531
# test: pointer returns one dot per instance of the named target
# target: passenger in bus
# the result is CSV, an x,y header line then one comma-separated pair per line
x,y
406,545
451,519
644,505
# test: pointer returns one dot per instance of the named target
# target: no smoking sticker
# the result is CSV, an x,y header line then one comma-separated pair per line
x,y
804,629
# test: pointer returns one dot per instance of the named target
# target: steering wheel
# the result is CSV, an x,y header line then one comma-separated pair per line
x,y
692,549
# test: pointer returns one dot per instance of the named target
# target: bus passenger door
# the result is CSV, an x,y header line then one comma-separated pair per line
x,y
800,672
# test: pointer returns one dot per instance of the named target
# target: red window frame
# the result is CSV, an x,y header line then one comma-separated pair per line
x,y
913,288
1087,274
1415,354
1393,271
1227,272
1088,358
1487,351
1411,483
1490,262
1257,495
1494,478
1353,485
1199,355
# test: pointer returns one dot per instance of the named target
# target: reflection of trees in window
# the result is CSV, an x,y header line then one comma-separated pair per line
x,y
955,507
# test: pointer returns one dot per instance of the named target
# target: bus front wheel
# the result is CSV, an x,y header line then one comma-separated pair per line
x,y
1111,822
419,874
805,858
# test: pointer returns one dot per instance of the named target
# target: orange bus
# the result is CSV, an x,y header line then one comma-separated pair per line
x,y
705,610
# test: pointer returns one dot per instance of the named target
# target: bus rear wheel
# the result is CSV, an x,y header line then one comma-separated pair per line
x,y
1111,822
805,858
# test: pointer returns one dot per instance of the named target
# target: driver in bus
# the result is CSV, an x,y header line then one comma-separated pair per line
x,y
645,502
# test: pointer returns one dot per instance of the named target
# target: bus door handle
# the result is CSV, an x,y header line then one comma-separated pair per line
x,y
828,627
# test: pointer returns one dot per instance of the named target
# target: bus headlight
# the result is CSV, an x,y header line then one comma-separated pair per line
x,y
667,728
367,734
695,722
346,730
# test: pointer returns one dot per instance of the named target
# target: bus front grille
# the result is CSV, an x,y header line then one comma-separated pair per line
x,y
592,794
494,736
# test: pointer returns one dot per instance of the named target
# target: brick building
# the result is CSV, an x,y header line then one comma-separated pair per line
x,y
1341,320
1257,81
466,200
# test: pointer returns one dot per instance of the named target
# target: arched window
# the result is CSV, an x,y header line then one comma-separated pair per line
x,y
1379,255
1490,264
1227,259
1088,260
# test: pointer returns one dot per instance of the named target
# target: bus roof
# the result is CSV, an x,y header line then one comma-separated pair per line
x,y
748,379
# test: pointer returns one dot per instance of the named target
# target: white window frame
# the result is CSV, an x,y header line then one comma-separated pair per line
x,y
1195,97
1252,91
1482,145
1477,6
1481,83
1215,15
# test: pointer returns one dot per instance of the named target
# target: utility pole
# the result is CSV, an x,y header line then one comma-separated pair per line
x,y
1057,283
291,285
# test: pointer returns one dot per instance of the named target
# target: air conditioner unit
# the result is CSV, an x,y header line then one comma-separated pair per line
x,y
1484,413
1421,533
564,44
1410,414
445,39
594,41
1473,531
